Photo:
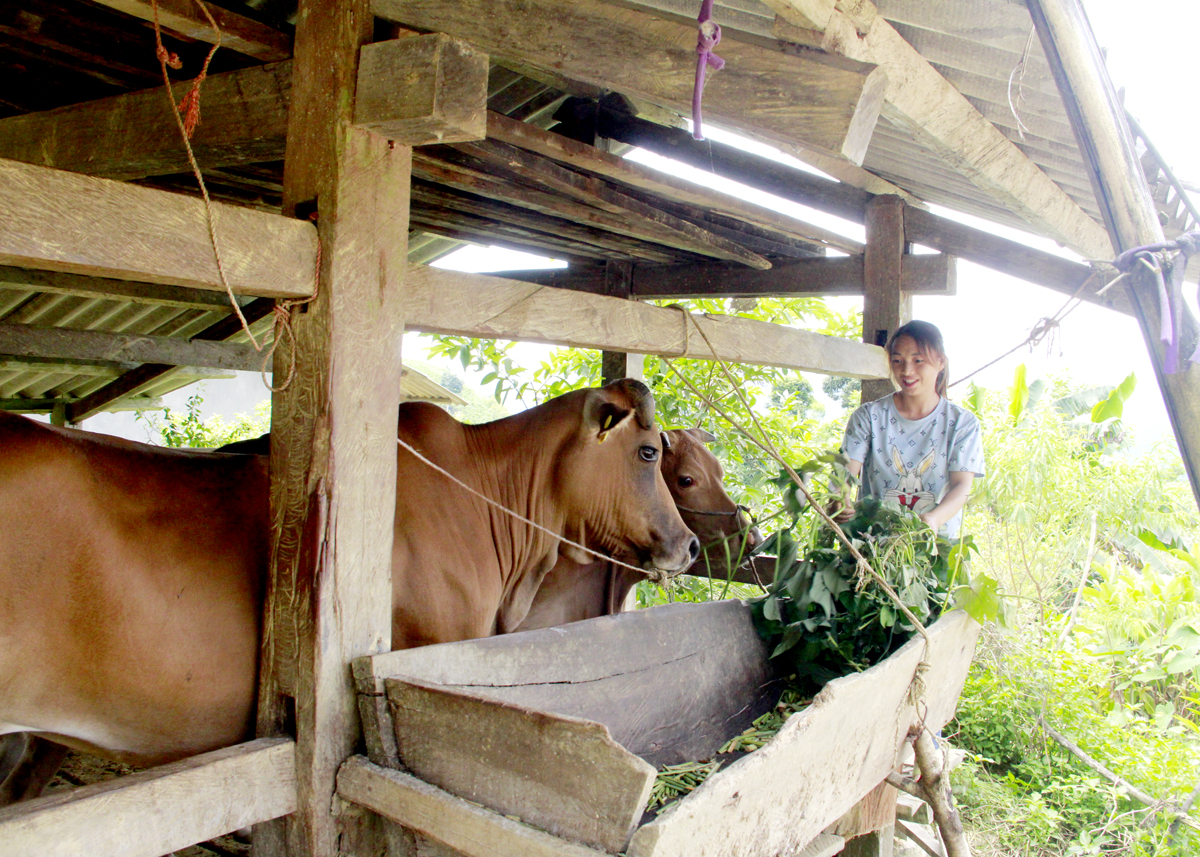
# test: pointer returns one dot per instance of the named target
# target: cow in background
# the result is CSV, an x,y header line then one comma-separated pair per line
x,y
572,592
132,577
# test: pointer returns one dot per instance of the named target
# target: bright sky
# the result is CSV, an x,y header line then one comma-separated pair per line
x,y
991,312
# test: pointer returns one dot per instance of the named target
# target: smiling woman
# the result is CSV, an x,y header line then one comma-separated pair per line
x,y
914,446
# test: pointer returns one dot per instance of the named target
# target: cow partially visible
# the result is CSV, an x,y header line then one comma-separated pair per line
x,y
572,592
132,577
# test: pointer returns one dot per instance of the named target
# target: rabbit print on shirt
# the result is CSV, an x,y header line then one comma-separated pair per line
x,y
910,492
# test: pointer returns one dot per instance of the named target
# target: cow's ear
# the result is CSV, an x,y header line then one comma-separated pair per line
x,y
634,395
601,414
702,435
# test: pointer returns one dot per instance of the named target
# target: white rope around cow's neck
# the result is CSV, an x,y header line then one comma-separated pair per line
x,y
657,575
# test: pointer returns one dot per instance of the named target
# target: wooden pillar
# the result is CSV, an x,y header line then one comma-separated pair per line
x,y
333,434
614,365
885,306
1117,178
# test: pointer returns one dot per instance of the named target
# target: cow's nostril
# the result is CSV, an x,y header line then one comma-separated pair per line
x,y
694,549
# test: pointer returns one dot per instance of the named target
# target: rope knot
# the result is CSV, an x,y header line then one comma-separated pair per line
x,y
709,37
169,58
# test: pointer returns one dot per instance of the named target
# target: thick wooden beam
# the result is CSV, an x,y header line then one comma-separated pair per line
x,y
422,90
930,274
829,104
133,136
1098,120
886,305
615,365
160,810
60,221
56,282
333,434
237,32
940,118
442,301
65,344
1012,258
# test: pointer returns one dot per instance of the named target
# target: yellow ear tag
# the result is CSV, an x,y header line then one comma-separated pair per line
x,y
602,436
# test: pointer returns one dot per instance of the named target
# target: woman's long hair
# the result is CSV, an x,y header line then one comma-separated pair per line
x,y
929,341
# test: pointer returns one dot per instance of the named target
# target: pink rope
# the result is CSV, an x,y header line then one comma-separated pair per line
x,y
710,37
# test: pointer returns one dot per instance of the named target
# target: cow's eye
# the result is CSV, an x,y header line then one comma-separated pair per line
x,y
686,481
648,453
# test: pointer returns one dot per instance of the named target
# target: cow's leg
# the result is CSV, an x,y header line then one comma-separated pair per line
x,y
27,765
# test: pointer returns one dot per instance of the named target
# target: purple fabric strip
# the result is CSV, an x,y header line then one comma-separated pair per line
x,y
1170,292
709,38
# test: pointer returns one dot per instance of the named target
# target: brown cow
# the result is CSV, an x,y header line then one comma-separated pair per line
x,y
571,592
131,577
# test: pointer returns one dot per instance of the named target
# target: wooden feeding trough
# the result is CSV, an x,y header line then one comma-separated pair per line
x,y
563,729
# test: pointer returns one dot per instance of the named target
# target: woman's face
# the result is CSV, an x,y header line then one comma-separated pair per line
x,y
915,371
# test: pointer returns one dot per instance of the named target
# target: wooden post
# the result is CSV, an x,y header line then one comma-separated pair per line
x,y
885,306
333,447
615,365
1107,148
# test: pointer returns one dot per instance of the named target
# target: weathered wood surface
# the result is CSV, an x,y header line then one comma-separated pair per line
x,y
157,811
237,32
942,120
60,221
829,104
66,344
823,760
444,301
465,826
422,89
671,685
1104,139
132,136
885,304
333,434
565,775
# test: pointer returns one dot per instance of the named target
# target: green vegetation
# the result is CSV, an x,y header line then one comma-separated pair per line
x,y
189,429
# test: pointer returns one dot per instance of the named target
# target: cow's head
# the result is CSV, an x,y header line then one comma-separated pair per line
x,y
694,477
612,485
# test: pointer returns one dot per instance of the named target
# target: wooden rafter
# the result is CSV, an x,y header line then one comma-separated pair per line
x,y
237,32
941,119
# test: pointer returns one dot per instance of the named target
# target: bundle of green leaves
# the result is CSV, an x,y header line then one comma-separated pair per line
x,y
823,618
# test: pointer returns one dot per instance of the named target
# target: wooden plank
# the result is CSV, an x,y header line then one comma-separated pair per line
x,y
780,179
133,135
422,90
652,222
333,434
824,759
471,829
565,775
61,221
672,685
825,845
55,282
885,304
441,301
942,120
1099,122
160,810
237,32
930,274
1010,257
584,157
67,344
760,91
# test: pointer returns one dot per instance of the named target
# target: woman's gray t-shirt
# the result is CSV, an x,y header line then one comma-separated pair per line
x,y
910,461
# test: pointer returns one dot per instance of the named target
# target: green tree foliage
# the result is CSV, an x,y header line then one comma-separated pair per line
x,y
189,429
844,391
1107,645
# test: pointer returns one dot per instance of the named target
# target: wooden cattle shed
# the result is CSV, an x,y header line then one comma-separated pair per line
x,y
364,139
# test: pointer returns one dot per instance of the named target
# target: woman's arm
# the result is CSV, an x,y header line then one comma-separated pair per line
x,y
956,496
